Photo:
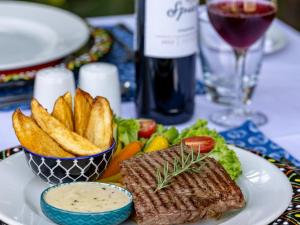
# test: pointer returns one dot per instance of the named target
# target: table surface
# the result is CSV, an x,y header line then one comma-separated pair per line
x,y
276,95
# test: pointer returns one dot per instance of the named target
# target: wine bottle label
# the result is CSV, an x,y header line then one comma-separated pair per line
x,y
170,28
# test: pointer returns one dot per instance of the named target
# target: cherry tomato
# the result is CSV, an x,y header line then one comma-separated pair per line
x,y
204,143
147,128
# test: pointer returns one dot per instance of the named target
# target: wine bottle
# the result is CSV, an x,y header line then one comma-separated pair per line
x,y
166,46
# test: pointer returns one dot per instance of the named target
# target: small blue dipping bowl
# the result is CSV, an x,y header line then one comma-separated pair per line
x,y
64,217
65,170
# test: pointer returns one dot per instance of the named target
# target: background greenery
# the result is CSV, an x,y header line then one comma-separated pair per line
x,y
289,10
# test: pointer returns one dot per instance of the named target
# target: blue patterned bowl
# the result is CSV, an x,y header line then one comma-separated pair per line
x,y
64,217
65,170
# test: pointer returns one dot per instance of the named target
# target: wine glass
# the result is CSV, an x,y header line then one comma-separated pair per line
x,y
240,23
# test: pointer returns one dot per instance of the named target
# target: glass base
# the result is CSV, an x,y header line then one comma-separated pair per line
x,y
233,118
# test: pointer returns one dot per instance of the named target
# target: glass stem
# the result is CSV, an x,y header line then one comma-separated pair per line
x,y
239,105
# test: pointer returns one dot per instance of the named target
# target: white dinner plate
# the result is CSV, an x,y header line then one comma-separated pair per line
x,y
32,34
267,191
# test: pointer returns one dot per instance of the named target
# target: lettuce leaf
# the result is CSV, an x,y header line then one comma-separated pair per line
x,y
127,130
225,156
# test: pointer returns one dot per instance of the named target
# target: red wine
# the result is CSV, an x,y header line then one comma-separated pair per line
x,y
241,23
166,43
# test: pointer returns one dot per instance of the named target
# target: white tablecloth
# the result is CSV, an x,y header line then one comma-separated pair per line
x,y
277,95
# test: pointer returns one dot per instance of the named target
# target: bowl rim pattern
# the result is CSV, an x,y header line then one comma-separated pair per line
x,y
73,158
128,194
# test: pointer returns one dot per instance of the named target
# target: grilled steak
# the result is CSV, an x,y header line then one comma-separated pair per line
x,y
190,196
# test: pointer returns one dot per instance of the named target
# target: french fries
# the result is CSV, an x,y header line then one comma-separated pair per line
x,y
34,138
68,98
63,112
82,109
69,140
100,125
61,134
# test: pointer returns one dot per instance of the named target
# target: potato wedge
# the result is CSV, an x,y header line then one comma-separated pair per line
x,y
82,109
68,98
69,140
63,112
100,126
32,137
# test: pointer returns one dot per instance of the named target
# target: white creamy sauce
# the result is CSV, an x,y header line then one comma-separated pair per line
x,y
86,198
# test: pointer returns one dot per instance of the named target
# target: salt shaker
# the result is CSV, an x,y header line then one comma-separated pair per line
x,y
101,79
51,83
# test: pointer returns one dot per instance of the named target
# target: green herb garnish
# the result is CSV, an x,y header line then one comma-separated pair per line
x,y
185,163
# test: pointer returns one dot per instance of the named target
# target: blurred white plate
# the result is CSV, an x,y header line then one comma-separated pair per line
x,y
33,34
267,190
275,39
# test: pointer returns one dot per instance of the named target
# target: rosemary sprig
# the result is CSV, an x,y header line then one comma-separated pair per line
x,y
184,163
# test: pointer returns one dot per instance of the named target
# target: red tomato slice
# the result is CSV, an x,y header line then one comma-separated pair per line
x,y
147,128
204,143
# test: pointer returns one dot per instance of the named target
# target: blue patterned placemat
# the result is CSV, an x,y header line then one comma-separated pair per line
x,y
250,137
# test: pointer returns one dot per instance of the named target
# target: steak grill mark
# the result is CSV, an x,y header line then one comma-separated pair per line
x,y
189,197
